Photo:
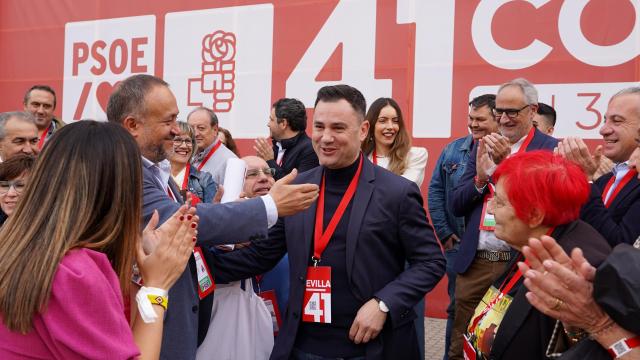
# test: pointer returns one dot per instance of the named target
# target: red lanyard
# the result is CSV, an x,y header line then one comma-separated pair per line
x,y
374,157
504,290
185,182
625,180
206,158
43,136
527,141
321,239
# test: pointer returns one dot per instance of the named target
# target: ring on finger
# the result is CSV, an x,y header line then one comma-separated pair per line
x,y
557,305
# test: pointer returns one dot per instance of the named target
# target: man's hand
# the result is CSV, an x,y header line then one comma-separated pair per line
x,y
498,147
576,150
450,242
605,165
368,323
484,164
263,149
291,199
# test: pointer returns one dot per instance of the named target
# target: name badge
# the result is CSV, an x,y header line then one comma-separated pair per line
x,y
271,301
317,295
467,349
205,280
487,221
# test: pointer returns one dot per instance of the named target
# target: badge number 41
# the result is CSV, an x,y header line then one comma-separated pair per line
x,y
317,295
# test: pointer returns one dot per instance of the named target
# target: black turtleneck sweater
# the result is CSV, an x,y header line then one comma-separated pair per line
x,y
332,340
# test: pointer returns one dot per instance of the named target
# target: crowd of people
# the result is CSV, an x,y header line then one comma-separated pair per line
x,y
129,251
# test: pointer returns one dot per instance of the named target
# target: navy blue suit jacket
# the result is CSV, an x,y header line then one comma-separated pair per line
x,y
219,224
467,202
618,223
387,227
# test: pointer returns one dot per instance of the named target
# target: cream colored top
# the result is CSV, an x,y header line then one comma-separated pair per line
x,y
417,161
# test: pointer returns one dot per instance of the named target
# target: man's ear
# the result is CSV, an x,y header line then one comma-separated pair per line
x,y
284,123
364,130
131,125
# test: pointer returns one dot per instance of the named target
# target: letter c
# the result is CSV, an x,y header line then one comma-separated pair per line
x,y
589,53
493,53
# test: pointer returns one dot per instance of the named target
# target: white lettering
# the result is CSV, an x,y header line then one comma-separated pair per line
x,y
352,24
589,53
495,54
433,69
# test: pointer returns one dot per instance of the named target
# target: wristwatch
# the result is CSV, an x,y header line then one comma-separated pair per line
x,y
621,347
382,306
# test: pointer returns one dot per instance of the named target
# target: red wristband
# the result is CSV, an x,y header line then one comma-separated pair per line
x,y
621,347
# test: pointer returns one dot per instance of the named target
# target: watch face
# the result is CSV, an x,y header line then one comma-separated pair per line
x,y
620,347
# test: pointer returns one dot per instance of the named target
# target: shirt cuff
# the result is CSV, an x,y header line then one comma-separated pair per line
x,y
272,210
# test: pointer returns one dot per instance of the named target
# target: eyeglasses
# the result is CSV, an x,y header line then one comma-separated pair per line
x,y
511,113
188,142
268,172
18,186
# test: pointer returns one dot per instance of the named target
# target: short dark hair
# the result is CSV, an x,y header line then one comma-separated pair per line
x,y
548,112
129,96
294,111
46,88
484,100
16,166
334,93
213,118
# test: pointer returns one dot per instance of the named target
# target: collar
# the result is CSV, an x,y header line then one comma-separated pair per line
x,y
467,144
197,158
620,168
290,142
515,147
161,170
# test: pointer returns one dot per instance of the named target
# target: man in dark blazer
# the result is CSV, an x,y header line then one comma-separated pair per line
x,y
147,108
614,204
382,227
481,256
290,147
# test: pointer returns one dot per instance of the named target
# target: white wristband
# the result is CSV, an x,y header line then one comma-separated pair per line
x,y
147,313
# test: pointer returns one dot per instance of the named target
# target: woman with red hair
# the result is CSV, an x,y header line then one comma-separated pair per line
x,y
536,193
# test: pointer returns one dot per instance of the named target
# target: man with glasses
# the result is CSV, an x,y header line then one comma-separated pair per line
x,y
258,181
482,257
446,175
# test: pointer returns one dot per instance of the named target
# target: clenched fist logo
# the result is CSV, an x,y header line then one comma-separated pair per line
x,y
215,87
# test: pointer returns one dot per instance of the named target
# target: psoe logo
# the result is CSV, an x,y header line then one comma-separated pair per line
x,y
222,59
97,55
214,88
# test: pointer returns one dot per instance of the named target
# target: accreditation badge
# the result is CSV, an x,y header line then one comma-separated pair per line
x,y
487,221
206,285
271,301
317,295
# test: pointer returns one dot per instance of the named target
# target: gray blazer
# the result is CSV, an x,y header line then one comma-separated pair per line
x,y
219,224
